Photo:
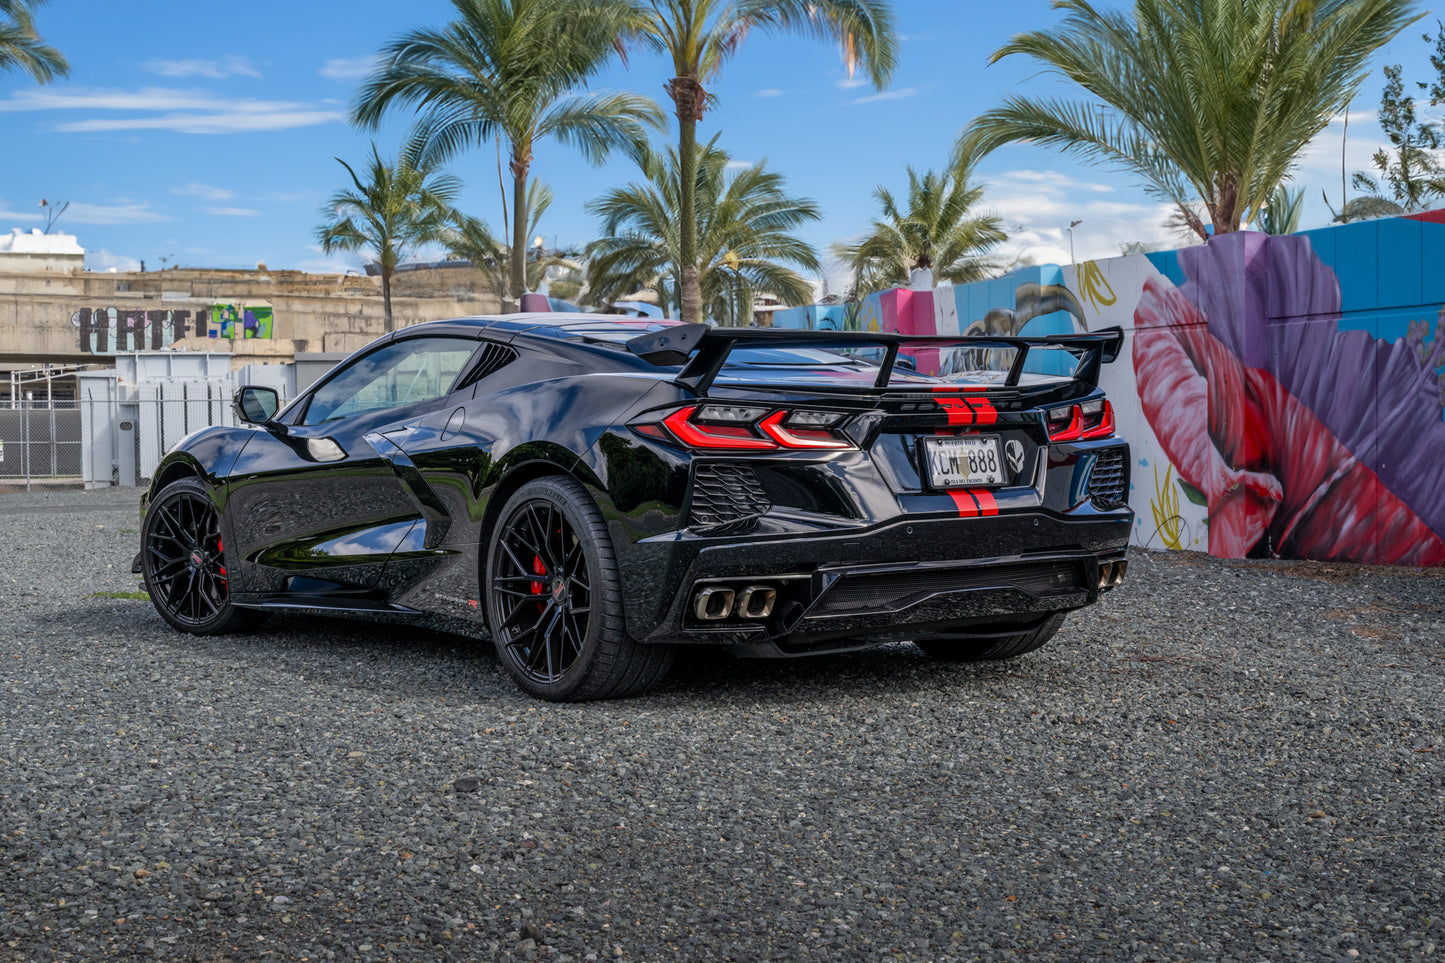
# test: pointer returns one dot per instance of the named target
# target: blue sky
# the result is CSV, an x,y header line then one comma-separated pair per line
x,y
203,134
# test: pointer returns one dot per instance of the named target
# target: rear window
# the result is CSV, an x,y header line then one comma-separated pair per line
x,y
815,365
986,364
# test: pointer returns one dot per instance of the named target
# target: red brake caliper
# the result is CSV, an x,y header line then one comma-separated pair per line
x,y
539,588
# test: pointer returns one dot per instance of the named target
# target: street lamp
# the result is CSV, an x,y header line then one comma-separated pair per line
x,y
1072,225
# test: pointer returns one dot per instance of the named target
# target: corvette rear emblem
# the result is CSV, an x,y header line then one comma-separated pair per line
x,y
1014,452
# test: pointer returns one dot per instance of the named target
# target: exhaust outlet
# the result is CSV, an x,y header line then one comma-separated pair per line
x,y
756,602
1106,575
714,604
1120,567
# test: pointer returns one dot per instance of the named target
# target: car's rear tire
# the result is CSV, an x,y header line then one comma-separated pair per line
x,y
554,599
993,647
183,563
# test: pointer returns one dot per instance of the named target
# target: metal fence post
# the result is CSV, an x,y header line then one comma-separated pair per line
x,y
54,439
25,436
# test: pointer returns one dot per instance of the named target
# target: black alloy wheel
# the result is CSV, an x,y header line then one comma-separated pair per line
x,y
554,599
182,559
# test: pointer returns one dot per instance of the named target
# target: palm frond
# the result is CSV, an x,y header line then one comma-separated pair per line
x,y
1200,98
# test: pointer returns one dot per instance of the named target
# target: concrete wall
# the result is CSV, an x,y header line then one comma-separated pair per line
x,y
76,317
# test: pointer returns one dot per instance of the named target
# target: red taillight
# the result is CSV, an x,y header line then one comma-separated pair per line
x,y
1064,424
739,428
734,437
1092,419
772,425
1100,425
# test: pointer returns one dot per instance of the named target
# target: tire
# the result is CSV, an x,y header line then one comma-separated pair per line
x,y
182,560
554,599
992,648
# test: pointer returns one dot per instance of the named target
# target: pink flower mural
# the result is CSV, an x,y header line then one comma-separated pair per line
x,y
1306,441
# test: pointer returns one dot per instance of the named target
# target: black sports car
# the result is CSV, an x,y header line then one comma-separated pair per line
x,y
595,493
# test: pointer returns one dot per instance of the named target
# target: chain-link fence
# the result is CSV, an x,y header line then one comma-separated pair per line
x,y
40,440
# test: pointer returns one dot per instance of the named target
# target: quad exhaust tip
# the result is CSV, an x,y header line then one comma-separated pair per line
x,y
718,602
1112,573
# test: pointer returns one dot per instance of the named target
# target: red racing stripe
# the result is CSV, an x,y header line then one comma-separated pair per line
x,y
957,410
984,412
987,505
967,504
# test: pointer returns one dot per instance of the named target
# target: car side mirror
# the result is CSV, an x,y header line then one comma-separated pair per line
x,y
255,405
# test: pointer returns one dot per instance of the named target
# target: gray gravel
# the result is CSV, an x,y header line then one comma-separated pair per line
x,y
1224,760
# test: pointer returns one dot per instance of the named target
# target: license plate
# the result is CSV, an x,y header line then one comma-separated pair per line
x,y
964,462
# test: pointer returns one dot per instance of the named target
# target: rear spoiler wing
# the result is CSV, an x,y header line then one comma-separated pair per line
x,y
702,349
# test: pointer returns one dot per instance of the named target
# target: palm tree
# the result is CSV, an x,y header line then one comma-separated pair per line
x,y
470,238
511,69
399,205
700,35
1281,214
744,219
1206,99
21,47
938,230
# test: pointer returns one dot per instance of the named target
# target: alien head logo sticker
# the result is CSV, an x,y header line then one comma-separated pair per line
x,y
1013,452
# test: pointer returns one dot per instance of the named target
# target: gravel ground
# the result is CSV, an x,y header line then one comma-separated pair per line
x,y
1223,760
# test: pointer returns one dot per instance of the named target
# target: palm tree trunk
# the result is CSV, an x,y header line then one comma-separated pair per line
x,y
386,298
517,284
689,96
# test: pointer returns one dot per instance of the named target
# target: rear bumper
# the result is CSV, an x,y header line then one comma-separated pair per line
x,y
899,580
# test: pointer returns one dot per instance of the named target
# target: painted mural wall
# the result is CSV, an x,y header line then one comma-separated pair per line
x,y
110,330
1282,396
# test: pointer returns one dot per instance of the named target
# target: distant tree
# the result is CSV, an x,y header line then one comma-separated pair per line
x,y
470,238
1281,214
1364,208
512,69
400,205
1202,99
938,228
700,35
744,224
1411,176
21,47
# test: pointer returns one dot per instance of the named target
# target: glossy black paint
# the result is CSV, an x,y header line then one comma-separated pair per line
x,y
397,525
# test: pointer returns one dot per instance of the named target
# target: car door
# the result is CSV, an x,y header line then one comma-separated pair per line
x,y
316,505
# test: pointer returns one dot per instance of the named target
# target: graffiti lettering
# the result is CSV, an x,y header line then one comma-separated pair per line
x,y
111,330
1095,287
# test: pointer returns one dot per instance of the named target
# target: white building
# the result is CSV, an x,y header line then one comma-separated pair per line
x,y
37,251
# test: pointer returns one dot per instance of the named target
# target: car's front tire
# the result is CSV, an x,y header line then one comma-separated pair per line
x,y
183,563
554,599
991,648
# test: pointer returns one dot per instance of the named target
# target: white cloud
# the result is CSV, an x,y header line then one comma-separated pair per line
x,y
901,93
330,264
768,92
181,111
738,165
123,213
1356,117
8,215
216,68
1059,181
99,259
231,211
1037,207
848,83
224,123
204,191
348,68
